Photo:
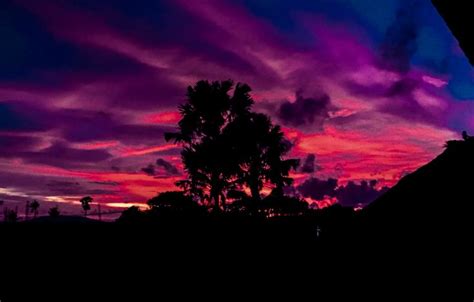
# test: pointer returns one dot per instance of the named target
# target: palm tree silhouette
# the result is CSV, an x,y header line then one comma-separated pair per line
x,y
85,202
34,206
262,147
208,157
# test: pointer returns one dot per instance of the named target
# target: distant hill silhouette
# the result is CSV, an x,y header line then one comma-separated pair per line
x,y
436,200
72,220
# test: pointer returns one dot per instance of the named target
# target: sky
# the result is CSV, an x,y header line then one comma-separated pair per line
x,y
365,90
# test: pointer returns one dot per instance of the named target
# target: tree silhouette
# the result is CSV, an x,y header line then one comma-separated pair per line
x,y
276,204
27,210
132,214
54,212
11,215
226,145
174,203
85,202
207,155
34,206
261,146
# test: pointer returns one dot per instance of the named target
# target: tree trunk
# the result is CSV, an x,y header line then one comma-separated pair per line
x,y
254,190
215,191
216,203
253,184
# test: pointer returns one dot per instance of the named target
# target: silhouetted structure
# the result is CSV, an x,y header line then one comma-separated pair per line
x,y
434,201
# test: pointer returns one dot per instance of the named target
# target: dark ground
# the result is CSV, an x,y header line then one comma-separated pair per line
x,y
239,259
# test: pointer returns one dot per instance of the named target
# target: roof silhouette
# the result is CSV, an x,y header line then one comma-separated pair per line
x,y
435,198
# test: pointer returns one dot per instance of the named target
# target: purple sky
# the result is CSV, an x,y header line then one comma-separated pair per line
x,y
365,90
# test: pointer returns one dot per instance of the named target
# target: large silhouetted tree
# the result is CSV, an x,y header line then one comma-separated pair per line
x,y
226,145
85,202
208,155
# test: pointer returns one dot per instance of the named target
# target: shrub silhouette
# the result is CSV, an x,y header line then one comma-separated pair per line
x,y
174,203
131,215
54,212
11,216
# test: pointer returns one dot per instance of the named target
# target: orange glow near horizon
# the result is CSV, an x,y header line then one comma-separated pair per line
x,y
123,205
166,117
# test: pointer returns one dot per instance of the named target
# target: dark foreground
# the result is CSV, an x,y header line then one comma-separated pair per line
x,y
224,258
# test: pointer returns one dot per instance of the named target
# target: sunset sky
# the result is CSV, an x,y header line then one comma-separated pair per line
x,y
372,89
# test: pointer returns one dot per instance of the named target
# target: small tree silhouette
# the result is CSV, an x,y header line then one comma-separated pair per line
x,y
54,212
27,210
11,216
131,215
34,206
85,202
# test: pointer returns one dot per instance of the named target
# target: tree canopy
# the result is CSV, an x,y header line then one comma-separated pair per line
x,y
226,145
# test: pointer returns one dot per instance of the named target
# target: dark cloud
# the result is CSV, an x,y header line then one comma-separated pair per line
x,y
115,169
354,194
74,188
398,99
305,111
22,117
149,170
403,103
77,125
62,183
13,145
83,126
402,88
59,154
400,41
145,91
105,183
39,187
309,164
351,195
167,166
317,188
